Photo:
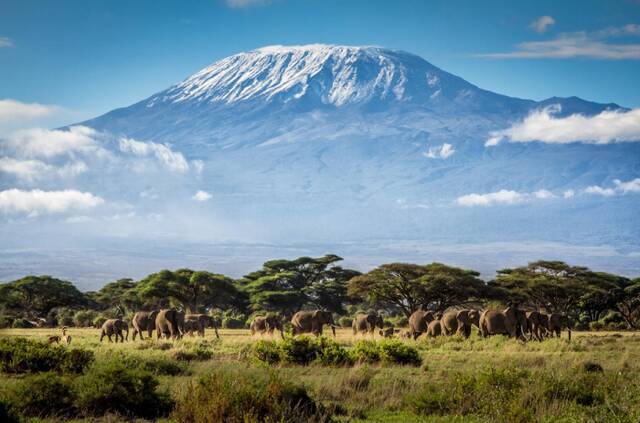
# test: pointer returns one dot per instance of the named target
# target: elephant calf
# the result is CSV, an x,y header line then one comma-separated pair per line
x,y
434,329
388,332
460,321
366,323
114,327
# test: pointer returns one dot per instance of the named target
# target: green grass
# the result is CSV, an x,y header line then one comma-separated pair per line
x,y
508,380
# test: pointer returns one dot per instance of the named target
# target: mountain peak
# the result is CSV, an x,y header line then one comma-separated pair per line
x,y
318,73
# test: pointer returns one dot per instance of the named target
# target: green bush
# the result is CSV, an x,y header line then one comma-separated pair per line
x,y
598,325
20,355
84,318
330,353
303,351
244,398
393,351
112,387
266,352
41,395
366,352
157,365
300,350
197,351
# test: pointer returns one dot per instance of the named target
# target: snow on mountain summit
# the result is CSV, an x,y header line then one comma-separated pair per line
x,y
335,75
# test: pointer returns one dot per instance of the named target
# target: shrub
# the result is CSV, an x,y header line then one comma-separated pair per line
x,y
197,351
330,353
591,367
239,398
393,351
366,352
112,387
301,350
41,395
345,322
19,355
155,365
84,318
266,352
598,325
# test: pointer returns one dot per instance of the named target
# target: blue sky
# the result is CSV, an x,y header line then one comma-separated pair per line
x,y
88,57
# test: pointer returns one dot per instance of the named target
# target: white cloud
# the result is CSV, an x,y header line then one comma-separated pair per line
x,y
239,4
32,170
630,186
440,152
198,166
568,193
201,196
37,202
594,45
543,194
598,190
606,127
173,160
50,143
5,42
12,110
500,197
541,24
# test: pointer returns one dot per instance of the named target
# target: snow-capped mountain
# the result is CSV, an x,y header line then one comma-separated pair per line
x,y
368,149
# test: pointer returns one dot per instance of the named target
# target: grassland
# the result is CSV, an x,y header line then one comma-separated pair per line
x,y
593,377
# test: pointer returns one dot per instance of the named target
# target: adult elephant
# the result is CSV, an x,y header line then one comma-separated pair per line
x,y
203,321
114,327
170,323
537,324
266,324
366,323
434,328
419,321
311,321
143,321
556,323
510,321
460,321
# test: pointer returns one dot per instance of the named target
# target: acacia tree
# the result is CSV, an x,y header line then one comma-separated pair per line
x,y
408,287
191,290
551,285
35,296
120,295
628,302
289,285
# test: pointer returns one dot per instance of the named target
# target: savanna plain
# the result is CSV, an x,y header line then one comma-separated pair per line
x,y
594,377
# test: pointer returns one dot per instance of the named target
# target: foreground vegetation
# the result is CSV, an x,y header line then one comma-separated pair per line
x,y
593,377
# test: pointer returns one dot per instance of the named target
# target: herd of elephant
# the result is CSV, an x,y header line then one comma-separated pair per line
x,y
512,321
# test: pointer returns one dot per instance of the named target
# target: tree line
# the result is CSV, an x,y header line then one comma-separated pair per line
x,y
590,299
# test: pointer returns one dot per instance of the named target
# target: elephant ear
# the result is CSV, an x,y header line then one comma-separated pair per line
x,y
316,314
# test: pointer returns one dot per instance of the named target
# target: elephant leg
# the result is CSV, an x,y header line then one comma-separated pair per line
x,y
102,335
109,336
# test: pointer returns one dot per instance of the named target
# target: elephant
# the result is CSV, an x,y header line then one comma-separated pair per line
x,y
418,322
114,327
460,321
511,321
434,328
203,320
266,324
311,321
191,326
170,323
537,324
143,321
366,323
557,322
